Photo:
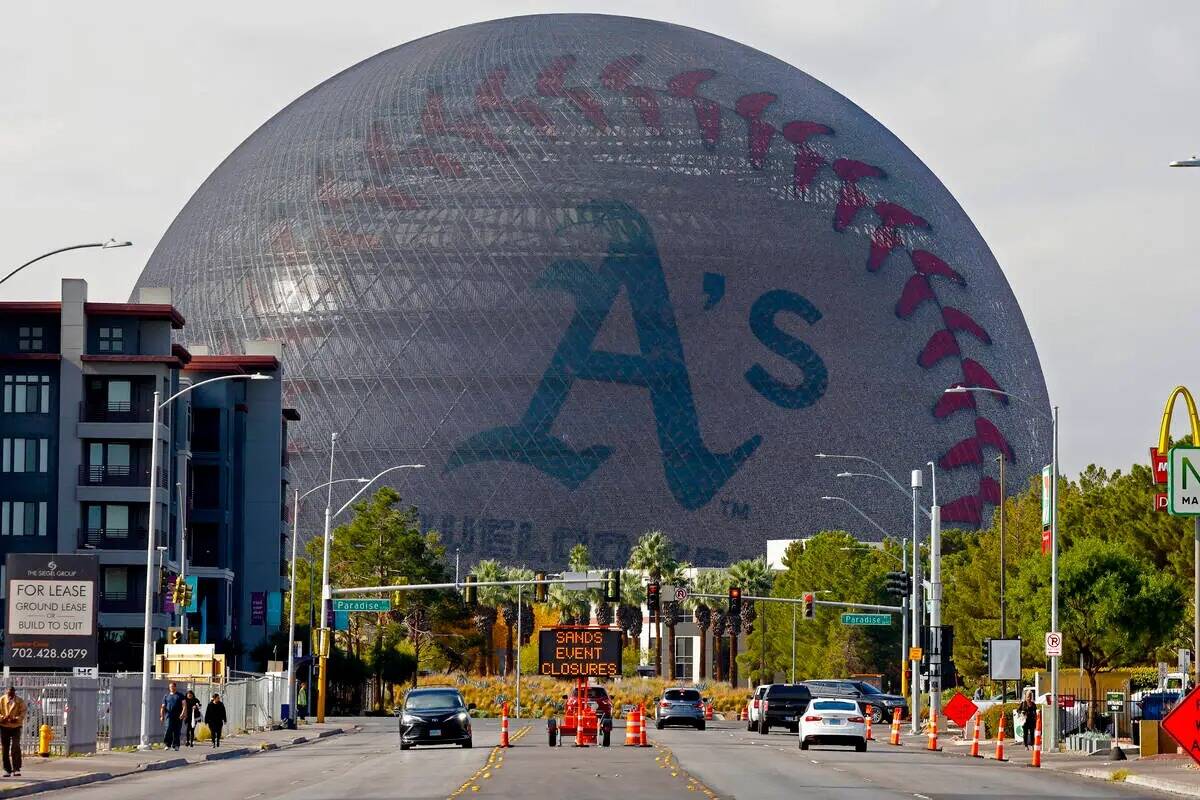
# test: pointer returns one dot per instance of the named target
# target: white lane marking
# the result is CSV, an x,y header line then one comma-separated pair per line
x,y
922,796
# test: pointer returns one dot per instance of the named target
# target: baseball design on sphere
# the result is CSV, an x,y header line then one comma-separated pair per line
x,y
605,275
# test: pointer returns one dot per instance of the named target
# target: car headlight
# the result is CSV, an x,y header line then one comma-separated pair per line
x,y
464,716
409,719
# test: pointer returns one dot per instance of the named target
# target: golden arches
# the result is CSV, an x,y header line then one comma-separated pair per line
x,y
1164,431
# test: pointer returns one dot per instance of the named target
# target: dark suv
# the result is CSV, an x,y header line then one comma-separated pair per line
x,y
882,704
782,706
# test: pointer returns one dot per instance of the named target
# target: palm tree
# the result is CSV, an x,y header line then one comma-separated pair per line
x,y
707,582
734,623
490,598
569,601
720,626
629,610
510,611
756,579
654,555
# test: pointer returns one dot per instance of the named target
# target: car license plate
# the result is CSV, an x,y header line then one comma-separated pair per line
x,y
834,721
435,731
789,719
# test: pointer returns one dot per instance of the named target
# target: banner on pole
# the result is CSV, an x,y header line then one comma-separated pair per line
x,y
1047,496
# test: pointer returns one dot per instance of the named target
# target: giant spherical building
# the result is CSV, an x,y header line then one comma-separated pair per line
x,y
605,275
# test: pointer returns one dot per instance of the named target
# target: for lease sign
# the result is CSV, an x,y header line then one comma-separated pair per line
x,y
579,652
51,610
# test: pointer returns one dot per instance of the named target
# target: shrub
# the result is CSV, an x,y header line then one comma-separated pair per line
x,y
991,719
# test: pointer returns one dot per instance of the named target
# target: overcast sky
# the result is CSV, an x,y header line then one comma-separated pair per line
x,y
1052,123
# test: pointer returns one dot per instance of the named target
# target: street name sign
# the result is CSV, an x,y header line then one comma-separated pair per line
x,y
377,604
579,652
1053,644
1183,481
52,610
1184,721
866,619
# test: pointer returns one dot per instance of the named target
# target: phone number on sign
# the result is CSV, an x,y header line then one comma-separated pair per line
x,y
48,652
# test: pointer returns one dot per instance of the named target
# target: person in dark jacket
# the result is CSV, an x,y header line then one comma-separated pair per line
x,y
214,718
1029,710
171,712
191,717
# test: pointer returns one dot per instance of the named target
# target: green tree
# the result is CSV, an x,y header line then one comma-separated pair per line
x,y
708,581
1113,607
755,579
654,555
489,600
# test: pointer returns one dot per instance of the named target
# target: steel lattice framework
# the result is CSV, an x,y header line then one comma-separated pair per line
x,y
607,275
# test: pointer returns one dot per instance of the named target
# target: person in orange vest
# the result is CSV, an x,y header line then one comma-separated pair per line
x,y
12,718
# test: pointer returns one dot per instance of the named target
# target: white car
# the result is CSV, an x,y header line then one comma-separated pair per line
x,y
829,720
753,711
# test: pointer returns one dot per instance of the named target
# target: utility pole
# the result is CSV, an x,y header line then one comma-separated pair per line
x,y
915,663
1003,609
793,644
936,657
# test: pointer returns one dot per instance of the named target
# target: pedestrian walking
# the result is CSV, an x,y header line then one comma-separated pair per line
x,y
171,712
1028,710
12,718
214,718
302,700
191,717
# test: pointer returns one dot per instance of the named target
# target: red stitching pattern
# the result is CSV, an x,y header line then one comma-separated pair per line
x,y
887,236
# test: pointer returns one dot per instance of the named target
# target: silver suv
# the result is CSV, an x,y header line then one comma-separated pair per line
x,y
679,706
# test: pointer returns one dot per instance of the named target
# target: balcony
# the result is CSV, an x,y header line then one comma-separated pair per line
x,y
117,475
112,411
114,538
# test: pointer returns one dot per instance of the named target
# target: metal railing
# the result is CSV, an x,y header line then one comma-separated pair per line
x,y
114,411
118,475
113,538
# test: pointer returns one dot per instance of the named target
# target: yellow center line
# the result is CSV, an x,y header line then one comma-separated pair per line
x,y
493,762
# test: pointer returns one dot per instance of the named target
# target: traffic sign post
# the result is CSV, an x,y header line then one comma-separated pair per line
x,y
376,604
915,654
681,594
960,710
866,619
1114,702
1054,644
1182,723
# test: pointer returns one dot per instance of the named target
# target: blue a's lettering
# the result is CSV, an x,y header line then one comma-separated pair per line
x,y
762,323
693,472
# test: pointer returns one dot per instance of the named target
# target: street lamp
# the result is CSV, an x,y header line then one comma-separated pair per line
x,y
904,601
109,245
291,668
1053,418
1194,161
326,590
151,534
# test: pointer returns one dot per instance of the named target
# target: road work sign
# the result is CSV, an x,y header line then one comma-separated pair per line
x,y
1183,481
579,652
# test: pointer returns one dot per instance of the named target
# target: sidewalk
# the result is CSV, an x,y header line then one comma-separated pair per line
x,y
46,774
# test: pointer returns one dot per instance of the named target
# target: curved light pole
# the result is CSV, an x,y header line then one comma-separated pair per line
x,y
1053,418
109,245
904,623
326,590
152,536
291,667
1194,161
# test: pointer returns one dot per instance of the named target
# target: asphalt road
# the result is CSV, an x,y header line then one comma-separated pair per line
x,y
733,762
724,761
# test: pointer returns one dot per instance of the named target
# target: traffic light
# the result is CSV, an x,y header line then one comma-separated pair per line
x,y
652,600
612,586
539,589
735,601
173,636
898,584
162,580
472,591
986,651
397,597
810,606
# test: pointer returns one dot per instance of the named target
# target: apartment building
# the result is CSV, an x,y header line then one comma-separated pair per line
x,y
78,381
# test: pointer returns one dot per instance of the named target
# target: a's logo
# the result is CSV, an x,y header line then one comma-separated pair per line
x,y
694,473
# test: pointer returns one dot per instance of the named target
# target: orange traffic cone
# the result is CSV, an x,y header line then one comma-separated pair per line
x,y
633,729
1000,741
708,711
504,726
895,738
1036,759
975,740
870,736
933,731
642,717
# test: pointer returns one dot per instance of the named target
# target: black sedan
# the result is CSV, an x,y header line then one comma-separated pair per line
x,y
435,715
881,703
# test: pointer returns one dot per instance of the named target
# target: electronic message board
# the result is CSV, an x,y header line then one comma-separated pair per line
x,y
579,652
52,611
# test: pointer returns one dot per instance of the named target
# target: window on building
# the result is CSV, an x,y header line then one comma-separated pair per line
x,y
23,518
29,338
110,519
205,544
119,395
112,340
206,486
27,394
108,458
684,657
206,430
24,455
116,583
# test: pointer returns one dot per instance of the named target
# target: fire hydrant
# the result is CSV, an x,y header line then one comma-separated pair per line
x,y
45,736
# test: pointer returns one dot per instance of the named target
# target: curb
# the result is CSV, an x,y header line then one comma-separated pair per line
x,y
327,734
1147,781
237,752
61,783
154,766
299,740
